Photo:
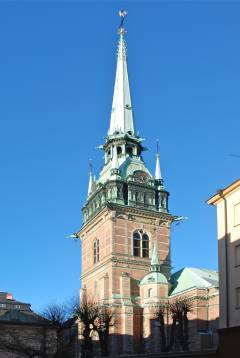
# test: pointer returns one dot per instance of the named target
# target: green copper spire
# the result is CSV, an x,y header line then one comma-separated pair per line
x,y
90,183
124,178
155,263
121,116
158,175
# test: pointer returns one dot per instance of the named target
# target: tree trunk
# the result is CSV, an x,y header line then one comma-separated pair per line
x,y
103,339
185,332
87,347
162,334
172,335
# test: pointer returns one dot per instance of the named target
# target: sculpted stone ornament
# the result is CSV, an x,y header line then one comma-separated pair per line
x,y
140,176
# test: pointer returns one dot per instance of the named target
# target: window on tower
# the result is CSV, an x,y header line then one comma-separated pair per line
x,y
119,151
129,151
140,244
95,251
145,245
136,244
150,292
136,196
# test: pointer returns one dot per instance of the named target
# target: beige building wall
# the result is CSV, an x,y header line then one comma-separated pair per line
x,y
227,202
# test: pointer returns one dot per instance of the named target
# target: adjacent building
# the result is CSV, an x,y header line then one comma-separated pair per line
x,y
227,202
23,332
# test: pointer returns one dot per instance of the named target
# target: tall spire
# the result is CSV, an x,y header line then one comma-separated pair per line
x,y
155,263
158,175
121,116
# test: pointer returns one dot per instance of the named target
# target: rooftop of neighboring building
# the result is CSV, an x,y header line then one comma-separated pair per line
x,y
190,278
7,302
224,192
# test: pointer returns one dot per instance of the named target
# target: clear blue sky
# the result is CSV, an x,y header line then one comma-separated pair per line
x,y
57,69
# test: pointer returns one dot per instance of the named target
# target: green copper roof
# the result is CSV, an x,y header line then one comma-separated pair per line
x,y
189,278
153,278
155,260
127,166
17,316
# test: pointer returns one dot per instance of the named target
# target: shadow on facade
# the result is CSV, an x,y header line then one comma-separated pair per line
x,y
202,338
229,272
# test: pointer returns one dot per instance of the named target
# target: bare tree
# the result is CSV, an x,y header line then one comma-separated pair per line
x,y
60,315
94,317
87,312
57,314
179,329
105,319
178,310
160,312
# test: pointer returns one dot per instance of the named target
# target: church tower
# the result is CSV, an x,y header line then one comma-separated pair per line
x,y
125,216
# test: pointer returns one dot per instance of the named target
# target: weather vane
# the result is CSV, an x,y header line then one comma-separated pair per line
x,y
122,14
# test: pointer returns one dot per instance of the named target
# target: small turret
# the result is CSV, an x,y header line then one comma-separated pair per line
x,y
155,284
155,263
90,183
158,174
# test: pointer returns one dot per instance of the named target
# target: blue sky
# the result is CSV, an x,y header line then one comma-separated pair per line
x,y
57,69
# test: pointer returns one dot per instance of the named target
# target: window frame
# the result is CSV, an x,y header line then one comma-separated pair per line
x,y
150,292
143,248
95,249
138,241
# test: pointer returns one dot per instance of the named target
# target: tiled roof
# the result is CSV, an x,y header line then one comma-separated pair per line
x,y
189,278
20,317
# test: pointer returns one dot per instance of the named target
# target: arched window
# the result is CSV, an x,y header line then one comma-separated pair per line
x,y
140,244
136,244
145,199
136,196
119,151
95,251
150,292
129,151
145,245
